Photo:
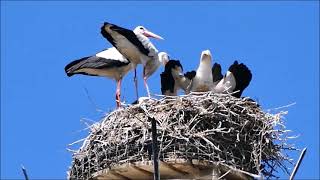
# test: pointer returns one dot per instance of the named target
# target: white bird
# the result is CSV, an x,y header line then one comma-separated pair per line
x,y
109,63
237,78
203,79
136,47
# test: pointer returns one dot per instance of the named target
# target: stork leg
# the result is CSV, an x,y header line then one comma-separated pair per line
x,y
136,82
146,85
118,101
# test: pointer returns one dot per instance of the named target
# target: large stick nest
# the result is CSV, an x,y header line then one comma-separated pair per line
x,y
215,128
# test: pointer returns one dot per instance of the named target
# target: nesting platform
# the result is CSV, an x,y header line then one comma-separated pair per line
x,y
200,135
179,168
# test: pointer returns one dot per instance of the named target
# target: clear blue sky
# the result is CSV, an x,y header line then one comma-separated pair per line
x,y
41,107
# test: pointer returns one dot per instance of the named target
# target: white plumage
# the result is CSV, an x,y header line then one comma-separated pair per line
x,y
203,79
136,47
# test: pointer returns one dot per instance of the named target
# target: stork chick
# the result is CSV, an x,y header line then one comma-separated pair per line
x,y
202,81
173,79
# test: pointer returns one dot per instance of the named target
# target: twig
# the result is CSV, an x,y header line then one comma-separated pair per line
x,y
296,167
24,171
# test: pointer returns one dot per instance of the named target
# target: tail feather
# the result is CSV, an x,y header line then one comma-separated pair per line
x,y
243,76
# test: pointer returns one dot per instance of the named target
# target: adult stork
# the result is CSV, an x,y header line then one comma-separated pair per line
x,y
173,79
136,47
236,79
109,63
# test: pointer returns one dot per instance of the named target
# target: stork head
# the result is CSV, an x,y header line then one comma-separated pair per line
x,y
142,30
163,58
152,65
206,56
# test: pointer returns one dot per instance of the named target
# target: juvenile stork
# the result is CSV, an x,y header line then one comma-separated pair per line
x,y
202,81
236,79
136,47
108,63
173,79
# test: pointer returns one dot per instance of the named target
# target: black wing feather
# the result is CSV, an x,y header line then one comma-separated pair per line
x,y
216,72
190,75
92,62
167,82
129,34
242,75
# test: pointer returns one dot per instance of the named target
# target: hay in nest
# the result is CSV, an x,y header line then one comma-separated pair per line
x,y
215,128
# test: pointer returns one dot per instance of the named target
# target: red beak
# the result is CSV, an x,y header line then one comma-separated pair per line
x,y
151,34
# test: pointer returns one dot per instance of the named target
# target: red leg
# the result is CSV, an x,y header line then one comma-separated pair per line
x,y
118,101
136,83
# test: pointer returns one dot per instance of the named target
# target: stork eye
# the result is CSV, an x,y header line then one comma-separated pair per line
x,y
141,28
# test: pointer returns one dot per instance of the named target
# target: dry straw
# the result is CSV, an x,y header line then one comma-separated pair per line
x,y
216,128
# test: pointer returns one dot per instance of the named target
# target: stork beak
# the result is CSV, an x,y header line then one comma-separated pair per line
x,y
151,34
206,52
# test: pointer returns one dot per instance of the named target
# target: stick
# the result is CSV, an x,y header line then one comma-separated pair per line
x,y
24,172
296,167
155,149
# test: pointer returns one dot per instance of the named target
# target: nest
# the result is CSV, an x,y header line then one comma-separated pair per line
x,y
216,128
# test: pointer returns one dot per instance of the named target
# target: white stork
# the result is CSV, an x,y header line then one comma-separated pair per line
x,y
136,47
203,79
236,79
108,63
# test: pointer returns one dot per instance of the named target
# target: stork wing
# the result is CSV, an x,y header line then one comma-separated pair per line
x,y
216,73
190,75
167,83
128,34
103,60
242,76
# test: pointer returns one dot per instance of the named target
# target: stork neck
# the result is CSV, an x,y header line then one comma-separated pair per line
x,y
204,67
147,44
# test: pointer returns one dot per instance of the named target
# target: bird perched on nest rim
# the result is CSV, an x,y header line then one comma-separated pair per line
x,y
136,47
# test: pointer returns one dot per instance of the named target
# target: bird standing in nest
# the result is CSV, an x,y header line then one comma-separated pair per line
x,y
137,48
236,79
